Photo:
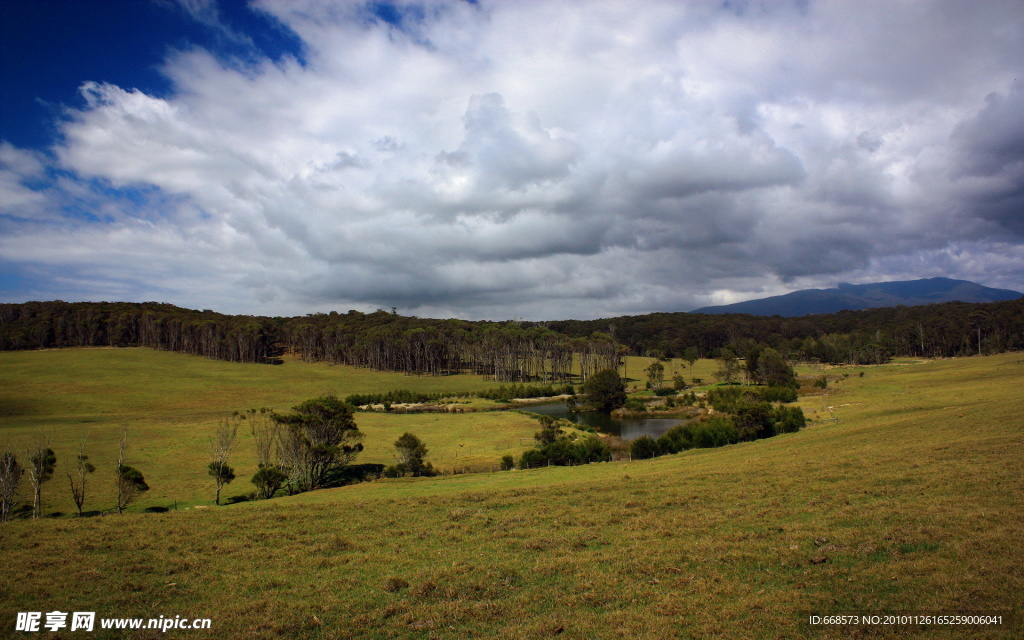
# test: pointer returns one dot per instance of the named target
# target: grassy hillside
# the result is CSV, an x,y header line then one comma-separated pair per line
x,y
170,403
909,502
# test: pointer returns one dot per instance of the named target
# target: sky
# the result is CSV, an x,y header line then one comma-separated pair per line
x,y
496,160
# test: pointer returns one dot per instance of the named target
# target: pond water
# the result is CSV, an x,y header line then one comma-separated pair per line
x,y
625,428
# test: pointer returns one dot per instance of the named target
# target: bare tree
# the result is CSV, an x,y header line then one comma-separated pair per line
x,y
271,471
221,445
266,434
41,461
77,479
130,482
10,477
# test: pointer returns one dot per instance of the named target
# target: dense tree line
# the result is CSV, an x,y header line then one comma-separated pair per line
x,y
47,325
864,337
516,351
507,352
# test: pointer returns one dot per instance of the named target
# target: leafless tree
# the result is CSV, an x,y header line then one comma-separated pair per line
x,y
41,461
10,477
221,445
78,476
130,482
266,434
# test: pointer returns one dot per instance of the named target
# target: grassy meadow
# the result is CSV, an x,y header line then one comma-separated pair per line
x,y
906,496
170,404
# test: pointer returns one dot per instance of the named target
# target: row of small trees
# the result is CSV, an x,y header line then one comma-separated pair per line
x,y
306,449
40,461
299,451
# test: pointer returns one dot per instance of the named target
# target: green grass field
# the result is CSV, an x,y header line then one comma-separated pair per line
x,y
907,500
170,403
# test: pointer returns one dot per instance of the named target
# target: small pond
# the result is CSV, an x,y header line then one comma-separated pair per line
x,y
625,428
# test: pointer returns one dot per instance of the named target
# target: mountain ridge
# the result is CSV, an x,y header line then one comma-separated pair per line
x,y
855,297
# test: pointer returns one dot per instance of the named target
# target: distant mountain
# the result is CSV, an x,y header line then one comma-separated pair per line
x,y
867,296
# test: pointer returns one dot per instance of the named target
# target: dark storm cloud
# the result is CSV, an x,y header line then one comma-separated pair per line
x,y
545,160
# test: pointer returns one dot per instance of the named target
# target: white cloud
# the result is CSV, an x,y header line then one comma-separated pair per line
x,y
544,160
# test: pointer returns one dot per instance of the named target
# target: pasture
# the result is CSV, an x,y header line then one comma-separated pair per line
x,y
170,404
907,500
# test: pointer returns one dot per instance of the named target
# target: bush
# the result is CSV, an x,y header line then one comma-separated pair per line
x,y
778,394
507,463
755,421
644,447
402,470
395,396
565,452
635,404
731,399
268,480
789,419
716,431
665,391
505,393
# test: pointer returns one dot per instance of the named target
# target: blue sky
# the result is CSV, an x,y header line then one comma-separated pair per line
x,y
49,47
496,160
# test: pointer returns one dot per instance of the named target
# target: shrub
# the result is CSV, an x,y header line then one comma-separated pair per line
x,y
716,431
635,404
778,394
755,421
507,392
644,447
268,480
789,419
402,470
731,399
665,391
507,463
564,451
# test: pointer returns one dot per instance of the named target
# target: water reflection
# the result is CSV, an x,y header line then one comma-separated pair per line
x,y
625,428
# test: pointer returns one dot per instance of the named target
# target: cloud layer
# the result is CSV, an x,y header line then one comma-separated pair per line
x,y
539,160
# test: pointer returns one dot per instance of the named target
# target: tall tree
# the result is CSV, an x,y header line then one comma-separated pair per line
x,y
77,478
129,481
270,473
41,462
655,375
728,366
605,390
10,477
222,443
321,437
773,370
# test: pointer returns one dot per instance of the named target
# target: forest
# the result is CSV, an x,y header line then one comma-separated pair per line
x,y
515,351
